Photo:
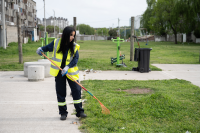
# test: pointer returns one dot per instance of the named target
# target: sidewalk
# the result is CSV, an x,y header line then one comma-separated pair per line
x,y
32,106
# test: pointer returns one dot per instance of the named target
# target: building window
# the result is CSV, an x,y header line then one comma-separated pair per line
x,y
6,17
12,6
12,19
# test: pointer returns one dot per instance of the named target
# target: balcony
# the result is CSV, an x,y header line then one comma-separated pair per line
x,y
11,13
25,1
11,1
7,12
30,19
16,7
21,5
30,9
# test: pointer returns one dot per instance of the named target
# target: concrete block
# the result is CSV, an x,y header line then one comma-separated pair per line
x,y
35,73
46,65
43,60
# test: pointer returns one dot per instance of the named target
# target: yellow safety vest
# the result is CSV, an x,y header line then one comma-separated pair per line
x,y
57,59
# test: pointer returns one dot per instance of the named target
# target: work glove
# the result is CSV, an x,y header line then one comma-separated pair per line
x,y
65,70
39,50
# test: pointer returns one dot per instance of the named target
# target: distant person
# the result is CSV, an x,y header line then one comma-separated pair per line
x,y
84,33
65,55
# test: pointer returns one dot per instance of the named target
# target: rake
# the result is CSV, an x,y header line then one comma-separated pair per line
x,y
104,109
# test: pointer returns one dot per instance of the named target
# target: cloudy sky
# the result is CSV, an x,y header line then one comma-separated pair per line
x,y
96,13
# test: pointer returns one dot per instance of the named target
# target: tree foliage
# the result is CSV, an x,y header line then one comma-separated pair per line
x,y
85,29
113,32
144,23
127,33
102,31
197,32
49,28
172,16
41,27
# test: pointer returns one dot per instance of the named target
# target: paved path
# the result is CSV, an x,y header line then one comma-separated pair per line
x,y
27,107
189,72
31,107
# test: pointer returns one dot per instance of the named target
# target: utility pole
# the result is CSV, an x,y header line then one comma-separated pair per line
x,y
102,32
59,24
19,37
44,21
132,39
118,28
3,24
75,27
54,24
125,33
63,23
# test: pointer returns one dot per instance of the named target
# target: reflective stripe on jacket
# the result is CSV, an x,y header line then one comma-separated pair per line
x,y
57,59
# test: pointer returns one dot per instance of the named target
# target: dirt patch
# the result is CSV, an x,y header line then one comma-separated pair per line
x,y
137,91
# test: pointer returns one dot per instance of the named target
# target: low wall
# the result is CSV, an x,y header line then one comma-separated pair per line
x,y
159,39
171,38
11,34
13,37
197,40
25,40
90,37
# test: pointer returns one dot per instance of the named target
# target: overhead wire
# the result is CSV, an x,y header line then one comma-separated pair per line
x,y
41,8
98,21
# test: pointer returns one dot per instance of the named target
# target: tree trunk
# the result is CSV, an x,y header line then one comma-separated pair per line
x,y
188,37
174,31
175,34
165,37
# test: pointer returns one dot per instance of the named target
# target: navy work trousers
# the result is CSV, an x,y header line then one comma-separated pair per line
x,y
61,93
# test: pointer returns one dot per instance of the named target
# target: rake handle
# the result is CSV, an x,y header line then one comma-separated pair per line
x,y
61,70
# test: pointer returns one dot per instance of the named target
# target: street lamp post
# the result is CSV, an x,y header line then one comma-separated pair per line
x,y
3,25
54,24
44,20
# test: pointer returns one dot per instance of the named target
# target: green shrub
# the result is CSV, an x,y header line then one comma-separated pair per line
x,y
197,32
29,40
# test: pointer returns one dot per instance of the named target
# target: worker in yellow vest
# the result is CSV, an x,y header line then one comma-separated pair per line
x,y
65,54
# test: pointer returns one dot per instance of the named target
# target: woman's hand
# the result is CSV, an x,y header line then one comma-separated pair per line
x,y
65,70
39,50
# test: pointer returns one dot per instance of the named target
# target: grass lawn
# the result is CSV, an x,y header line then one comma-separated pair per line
x,y
9,58
171,106
96,55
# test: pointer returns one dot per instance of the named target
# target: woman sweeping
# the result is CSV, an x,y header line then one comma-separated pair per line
x,y
65,54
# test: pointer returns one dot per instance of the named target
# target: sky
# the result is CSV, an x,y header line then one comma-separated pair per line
x,y
96,13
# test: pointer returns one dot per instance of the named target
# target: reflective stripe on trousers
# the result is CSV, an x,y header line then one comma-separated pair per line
x,y
77,101
61,103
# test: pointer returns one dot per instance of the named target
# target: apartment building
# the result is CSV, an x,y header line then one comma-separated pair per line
x,y
39,21
60,22
26,8
27,11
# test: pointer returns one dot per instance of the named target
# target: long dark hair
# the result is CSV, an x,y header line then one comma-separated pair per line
x,y
65,41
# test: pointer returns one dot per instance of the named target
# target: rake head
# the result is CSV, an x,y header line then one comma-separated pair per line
x,y
104,110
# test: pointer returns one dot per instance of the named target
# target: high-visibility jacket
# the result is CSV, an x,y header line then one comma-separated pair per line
x,y
57,59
